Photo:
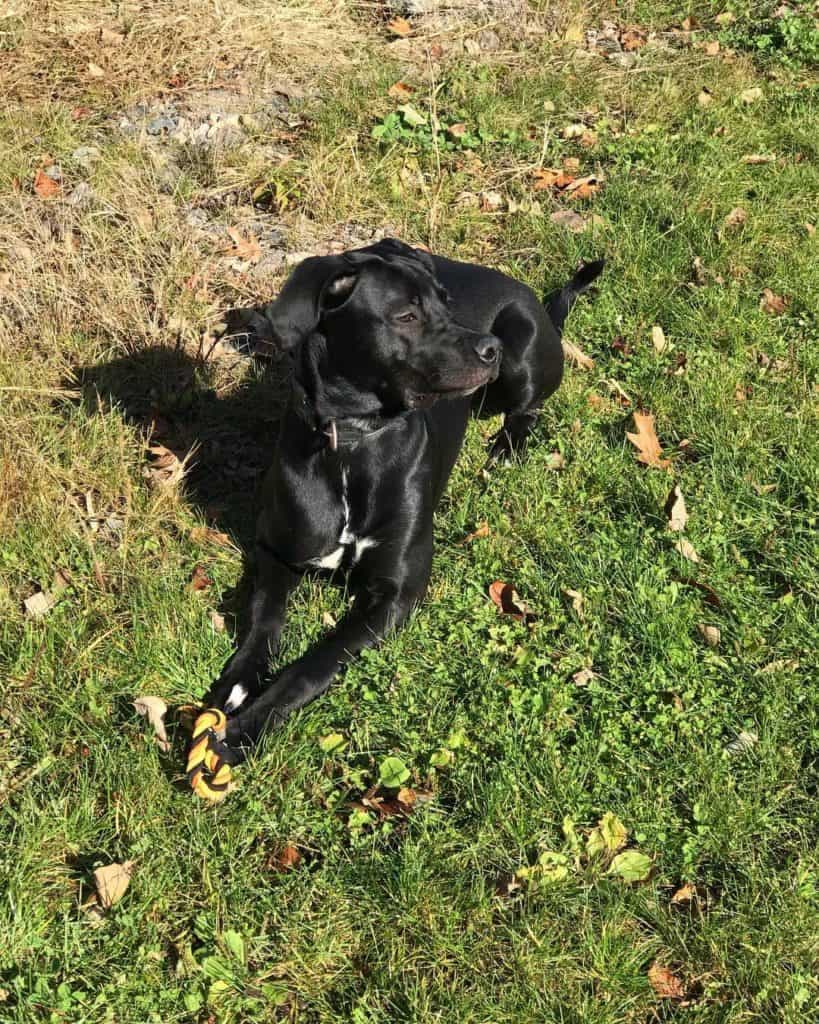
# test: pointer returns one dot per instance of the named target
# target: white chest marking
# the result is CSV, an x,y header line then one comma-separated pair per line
x,y
346,538
236,698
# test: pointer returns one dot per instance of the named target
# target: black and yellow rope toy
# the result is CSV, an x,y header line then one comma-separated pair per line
x,y
208,773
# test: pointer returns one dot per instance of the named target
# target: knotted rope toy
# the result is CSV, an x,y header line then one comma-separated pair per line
x,y
208,773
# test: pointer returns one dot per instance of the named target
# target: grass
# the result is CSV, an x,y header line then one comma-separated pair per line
x,y
109,312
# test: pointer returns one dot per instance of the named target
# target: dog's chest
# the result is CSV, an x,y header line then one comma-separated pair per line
x,y
349,546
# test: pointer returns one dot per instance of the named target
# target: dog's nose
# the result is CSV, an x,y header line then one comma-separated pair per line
x,y
487,349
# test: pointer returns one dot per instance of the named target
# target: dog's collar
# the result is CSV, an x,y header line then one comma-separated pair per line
x,y
334,434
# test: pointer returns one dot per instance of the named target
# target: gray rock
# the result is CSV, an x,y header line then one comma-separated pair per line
x,y
161,124
53,172
86,156
82,195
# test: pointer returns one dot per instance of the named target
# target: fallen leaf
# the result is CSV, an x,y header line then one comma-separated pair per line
x,y
546,177
577,601
810,229
773,303
507,601
200,580
617,389
285,859
665,983
573,131
726,18
607,837
588,140
111,882
408,797
458,130
555,461
736,218
705,99
155,709
571,165
711,634
399,27
207,535
246,249
687,893
758,158
164,468
751,95
39,604
491,201
690,23
482,531
675,510
583,677
633,39
328,620
658,339
576,356
400,91
217,621
46,187
95,71
645,441
687,550
582,188
631,866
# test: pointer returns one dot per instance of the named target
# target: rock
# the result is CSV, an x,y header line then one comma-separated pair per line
x,y
53,172
82,195
86,156
197,218
161,124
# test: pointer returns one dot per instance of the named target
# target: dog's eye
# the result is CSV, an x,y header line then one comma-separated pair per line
x,y
406,318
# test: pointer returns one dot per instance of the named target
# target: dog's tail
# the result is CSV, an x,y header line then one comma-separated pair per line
x,y
559,303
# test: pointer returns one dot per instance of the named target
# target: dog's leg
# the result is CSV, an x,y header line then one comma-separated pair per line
x,y
242,677
381,605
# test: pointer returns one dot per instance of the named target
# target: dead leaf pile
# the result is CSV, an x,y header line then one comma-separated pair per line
x,y
560,182
646,442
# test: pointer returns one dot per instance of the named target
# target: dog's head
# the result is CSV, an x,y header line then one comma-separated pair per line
x,y
377,320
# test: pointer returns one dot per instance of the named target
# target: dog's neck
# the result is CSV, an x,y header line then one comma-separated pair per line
x,y
325,407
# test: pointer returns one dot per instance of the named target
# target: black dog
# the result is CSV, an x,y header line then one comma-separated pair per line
x,y
379,338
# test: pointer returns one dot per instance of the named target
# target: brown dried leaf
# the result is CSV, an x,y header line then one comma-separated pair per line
x,y
111,882
457,130
155,709
675,511
577,599
246,249
482,531
95,71
687,550
658,339
582,188
645,441
39,604
287,858
759,158
705,99
507,601
773,303
736,218
328,620
751,95
555,461
164,468
633,38
665,983
45,187
200,580
712,48
399,27
711,634
207,535
217,621
400,91
576,356
583,677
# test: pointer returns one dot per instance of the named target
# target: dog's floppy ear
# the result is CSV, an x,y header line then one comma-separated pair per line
x,y
318,283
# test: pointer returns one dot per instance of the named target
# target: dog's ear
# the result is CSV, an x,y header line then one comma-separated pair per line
x,y
297,309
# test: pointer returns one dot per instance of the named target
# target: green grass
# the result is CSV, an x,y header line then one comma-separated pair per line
x,y
412,920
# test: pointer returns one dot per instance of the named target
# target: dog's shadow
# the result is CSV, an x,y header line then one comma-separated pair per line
x,y
220,417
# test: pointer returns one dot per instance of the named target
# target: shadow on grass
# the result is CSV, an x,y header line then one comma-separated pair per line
x,y
228,432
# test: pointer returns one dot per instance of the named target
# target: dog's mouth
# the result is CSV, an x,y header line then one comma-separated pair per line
x,y
468,385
